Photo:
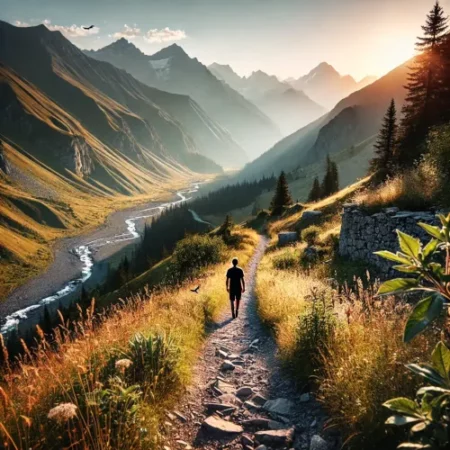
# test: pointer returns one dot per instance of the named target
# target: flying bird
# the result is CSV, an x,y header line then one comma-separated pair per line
x,y
195,291
89,28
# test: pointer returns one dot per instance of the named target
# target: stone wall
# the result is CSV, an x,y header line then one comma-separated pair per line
x,y
362,234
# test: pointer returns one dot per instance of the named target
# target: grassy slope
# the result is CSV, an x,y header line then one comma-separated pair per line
x,y
177,312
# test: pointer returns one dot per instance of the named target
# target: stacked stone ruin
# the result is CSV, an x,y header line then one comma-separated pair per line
x,y
363,233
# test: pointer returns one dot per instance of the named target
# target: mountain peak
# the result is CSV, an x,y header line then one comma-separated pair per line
x,y
122,46
173,50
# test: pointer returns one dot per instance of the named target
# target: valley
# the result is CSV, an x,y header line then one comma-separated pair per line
x,y
81,261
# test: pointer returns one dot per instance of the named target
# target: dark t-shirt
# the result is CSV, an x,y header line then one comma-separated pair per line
x,y
235,274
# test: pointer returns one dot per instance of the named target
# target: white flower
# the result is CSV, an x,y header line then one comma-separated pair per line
x,y
122,364
63,412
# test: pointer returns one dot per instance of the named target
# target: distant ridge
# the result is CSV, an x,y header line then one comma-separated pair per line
x,y
288,108
173,70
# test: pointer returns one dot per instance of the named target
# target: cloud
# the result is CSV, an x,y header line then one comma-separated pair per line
x,y
19,23
72,31
164,35
127,32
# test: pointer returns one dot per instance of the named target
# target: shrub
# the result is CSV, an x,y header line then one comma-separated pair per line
x,y
154,362
288,260
315,331
310,235
195,253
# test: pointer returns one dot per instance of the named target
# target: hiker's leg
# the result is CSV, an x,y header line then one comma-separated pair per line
x,y
238,301
232,305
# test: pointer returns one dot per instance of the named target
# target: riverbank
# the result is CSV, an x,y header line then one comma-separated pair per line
x,y
104,242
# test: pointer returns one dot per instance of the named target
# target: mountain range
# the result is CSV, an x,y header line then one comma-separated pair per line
x,y
346,132
289,108
325,85
172,70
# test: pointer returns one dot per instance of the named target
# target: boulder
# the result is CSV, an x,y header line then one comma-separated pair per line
x,y
220,428
244,391
257,422
318,443
219,406
227,365
279,406
225,388
275,438
286,237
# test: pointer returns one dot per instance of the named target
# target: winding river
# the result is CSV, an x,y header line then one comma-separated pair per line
x,y
85,255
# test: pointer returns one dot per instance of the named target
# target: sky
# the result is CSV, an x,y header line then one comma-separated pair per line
x,y
286,38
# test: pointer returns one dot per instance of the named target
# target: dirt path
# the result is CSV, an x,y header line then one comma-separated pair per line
x,y
240,398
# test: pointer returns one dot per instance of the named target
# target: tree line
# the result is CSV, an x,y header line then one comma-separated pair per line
x,y
401,143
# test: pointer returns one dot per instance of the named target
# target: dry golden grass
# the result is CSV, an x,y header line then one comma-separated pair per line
x,y
281,299
365,366
69,375
415,189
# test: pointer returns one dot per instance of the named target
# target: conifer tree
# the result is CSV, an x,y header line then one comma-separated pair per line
x,y
315,192
425,86
330,183
383,161
282,197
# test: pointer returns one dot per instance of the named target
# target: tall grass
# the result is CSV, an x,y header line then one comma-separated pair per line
x,y
107,383
415,189
351,344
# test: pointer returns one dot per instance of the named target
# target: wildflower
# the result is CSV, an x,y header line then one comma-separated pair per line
x,y
63,412
123,364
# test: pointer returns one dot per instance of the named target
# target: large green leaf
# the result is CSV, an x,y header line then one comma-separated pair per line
x,y
397,285
429,249
396,257
403,405
409,244
427,310
402,420
440,359
428,373
432,230
407,269
413,446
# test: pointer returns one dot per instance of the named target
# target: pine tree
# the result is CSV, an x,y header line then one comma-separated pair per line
x,y
330,183
315,193
383,161
226,227
282,197
334,178
425,86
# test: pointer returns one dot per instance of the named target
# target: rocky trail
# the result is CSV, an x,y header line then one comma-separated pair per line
x,y
240,397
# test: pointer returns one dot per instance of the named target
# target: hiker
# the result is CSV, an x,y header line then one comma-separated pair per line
x,y
235,286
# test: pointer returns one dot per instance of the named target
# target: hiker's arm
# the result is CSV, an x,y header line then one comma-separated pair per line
x,y
243,284
227,284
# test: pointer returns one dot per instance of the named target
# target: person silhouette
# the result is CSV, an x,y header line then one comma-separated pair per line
x,y
235,284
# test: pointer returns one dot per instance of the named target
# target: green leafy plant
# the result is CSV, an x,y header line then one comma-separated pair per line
x,y
428,416
426,273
